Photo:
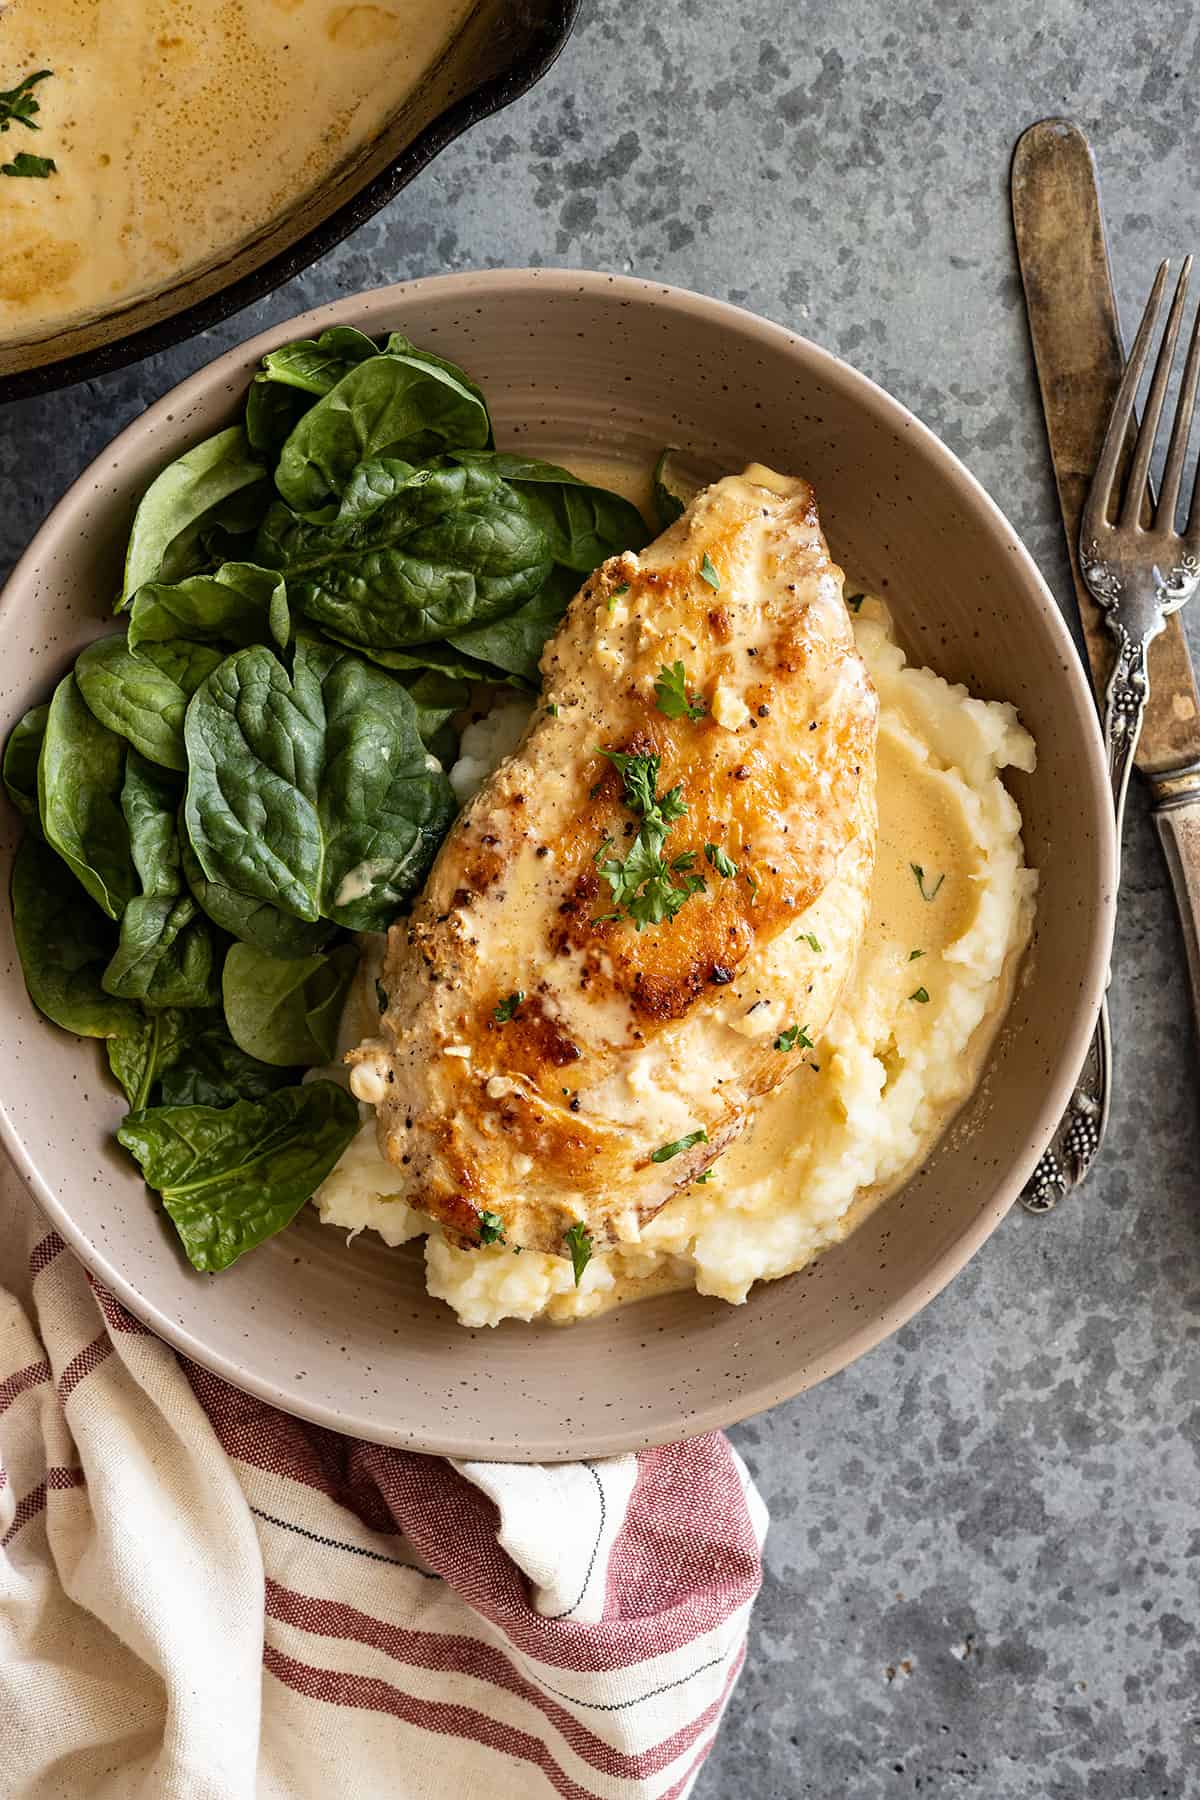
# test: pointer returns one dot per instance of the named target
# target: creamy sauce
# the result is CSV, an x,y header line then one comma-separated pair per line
x,y
179,128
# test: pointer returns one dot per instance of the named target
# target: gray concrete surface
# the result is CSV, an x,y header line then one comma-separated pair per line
x,y
981,1570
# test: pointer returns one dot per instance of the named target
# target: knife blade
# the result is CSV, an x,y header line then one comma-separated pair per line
x,y
1079,354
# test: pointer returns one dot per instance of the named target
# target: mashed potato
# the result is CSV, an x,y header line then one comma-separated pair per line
x,y
952,908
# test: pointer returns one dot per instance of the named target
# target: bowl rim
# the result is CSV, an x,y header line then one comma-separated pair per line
x,y
549,33
230,369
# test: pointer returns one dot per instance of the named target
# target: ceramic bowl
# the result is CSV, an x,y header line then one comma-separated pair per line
x,y
591,365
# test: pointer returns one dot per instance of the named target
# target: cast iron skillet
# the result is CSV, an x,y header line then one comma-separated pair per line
x,y
503,47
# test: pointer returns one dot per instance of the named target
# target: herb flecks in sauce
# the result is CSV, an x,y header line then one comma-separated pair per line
x,y
646,887
919,878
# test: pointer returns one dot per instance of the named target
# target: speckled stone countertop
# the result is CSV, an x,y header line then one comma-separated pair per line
x,y
981,1573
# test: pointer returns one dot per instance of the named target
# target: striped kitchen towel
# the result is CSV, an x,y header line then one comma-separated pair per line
x,y
204,1599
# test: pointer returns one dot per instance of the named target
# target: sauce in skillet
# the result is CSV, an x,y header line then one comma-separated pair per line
x,y
179,128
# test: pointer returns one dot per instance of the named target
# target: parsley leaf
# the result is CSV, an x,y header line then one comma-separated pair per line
x,y
921,995
795,1037
709,574
701,1179
616,594
854,602
919,878
666,1151
671,695
646,888
20,103
723,864
24,164
508,1006
579,1242
491,1228
914,955
811,939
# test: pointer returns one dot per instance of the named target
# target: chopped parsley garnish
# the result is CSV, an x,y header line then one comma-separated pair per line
x,y
795,1037
666,1151
552,709
919,878
701,1179
709,574
18,105
508,1006
811,939
24,164
854,602
921,996
915,955
670,692
491,1228
753,888
579,1244
616,594
724,865
646,887
381,996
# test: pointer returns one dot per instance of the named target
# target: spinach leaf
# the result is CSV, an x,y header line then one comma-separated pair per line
x,y
21,754
286,1013
252,921
165,955
193,492
142,695
80,772
386,406
582,524
386,578
436,697
64,942
336,809
231,1177
314,365
667,504
212,1071
238,604
440,657
513,645
139,1059
398,345
272,414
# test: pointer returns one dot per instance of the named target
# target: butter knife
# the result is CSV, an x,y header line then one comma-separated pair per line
x,y
1079,354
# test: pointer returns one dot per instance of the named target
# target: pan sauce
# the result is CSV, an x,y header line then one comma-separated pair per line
x,y
179,128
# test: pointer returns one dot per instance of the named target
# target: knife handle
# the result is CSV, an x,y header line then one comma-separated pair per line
x,y
1177,816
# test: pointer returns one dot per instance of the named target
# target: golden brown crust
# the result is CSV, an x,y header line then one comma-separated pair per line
x,y
626,1040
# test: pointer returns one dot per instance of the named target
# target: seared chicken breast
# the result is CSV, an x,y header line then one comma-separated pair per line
x,y
610,963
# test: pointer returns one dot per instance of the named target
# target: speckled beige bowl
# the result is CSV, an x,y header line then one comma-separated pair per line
x,y
599,366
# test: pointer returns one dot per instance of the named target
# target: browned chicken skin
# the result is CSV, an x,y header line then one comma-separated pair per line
x,y
546,1111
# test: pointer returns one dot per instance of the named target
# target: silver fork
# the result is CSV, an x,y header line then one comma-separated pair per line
x,y
1139,573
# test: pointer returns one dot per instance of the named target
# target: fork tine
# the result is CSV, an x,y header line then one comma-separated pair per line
x,y
1139,473
1168,498
1095,513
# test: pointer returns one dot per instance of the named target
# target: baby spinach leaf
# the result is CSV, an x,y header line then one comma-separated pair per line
x,y
286,1013
667,504
231,1177
165,954
443,658
80,772
337,808
314,365
385,406
387,583
436,697
398,345
139,1059
513,645
238,604
64,943
251,920
165,543
272,414
583,524
212,1071
21,754
142,695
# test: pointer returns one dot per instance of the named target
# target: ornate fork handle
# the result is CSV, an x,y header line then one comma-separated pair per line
x,y
1074,1146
